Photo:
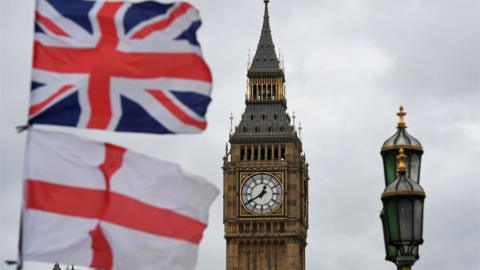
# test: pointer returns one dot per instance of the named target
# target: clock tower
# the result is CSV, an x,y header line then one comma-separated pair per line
x,y
265,173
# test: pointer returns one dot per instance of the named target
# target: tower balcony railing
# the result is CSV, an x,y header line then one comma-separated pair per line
x,y
264,99
259,163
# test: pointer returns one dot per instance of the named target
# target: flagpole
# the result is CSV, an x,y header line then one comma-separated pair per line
x,y
19,261
20,235
21,129
20,231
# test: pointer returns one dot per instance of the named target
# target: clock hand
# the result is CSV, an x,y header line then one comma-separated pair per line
x,y
259,195
264,190
251,200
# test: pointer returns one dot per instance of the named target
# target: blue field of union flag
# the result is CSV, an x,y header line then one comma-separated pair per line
x,y
120,66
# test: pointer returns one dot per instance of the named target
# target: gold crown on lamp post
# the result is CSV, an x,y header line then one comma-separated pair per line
x,y
401,158
401,114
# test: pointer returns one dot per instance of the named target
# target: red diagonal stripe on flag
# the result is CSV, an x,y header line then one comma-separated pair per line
x,y
175,110
149,29
40,106
46,22
121,210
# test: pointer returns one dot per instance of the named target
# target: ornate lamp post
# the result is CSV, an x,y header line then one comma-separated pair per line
x,y
412,147
402,215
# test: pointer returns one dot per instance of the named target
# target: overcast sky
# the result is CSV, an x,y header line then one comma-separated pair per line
x,y
349,65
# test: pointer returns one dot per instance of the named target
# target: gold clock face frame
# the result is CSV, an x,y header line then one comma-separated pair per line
x,y
262,194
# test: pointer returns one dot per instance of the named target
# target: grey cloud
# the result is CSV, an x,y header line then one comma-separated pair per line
x,y
349,65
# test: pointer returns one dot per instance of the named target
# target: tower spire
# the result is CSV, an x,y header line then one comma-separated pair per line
x,y
265,59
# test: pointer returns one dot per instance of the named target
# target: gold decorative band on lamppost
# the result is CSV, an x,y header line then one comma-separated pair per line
x,y
404,146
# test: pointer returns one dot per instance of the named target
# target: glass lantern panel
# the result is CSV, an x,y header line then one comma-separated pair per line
x,y
392,220
414,172
389,167
386,234
418,220
415,252
391,253
405,215
402,139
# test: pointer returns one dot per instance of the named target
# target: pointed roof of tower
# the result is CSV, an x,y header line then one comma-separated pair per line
x,y
265,61
266,121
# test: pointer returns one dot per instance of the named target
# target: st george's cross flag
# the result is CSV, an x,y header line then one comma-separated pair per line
x,y
106,207
134,67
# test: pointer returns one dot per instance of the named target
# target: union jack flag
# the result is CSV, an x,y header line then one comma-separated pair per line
x,y
119,66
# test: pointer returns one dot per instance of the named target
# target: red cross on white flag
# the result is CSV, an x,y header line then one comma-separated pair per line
x,y
103,206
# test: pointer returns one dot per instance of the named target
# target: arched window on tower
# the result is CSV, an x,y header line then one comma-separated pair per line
x,y
274,91
255,153
249,154
254,92
269,91
264,92
251,117
262,153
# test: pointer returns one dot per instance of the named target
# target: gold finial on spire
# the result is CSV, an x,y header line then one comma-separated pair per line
x,y
401,160
401,114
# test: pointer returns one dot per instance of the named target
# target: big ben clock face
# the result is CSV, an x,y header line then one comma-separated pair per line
x,y
262,194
